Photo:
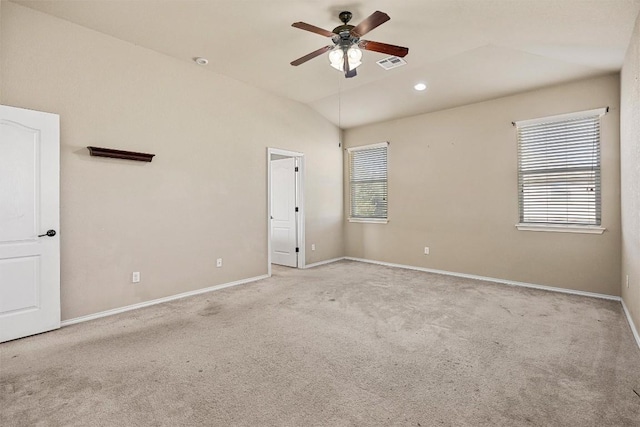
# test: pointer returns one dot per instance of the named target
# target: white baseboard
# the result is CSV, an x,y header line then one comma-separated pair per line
x,y
491,279
327,261
631,324
158,301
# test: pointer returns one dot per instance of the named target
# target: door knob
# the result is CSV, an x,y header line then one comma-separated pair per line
x,y
49,233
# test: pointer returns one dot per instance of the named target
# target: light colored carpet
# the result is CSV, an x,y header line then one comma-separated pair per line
x,y
338,345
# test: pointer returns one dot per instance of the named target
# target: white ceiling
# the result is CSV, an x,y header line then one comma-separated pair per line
x,y
465,50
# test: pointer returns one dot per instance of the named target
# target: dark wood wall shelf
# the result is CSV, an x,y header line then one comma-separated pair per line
x,y
120,154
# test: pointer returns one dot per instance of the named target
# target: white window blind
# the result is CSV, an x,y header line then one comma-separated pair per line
x,y
559,169
368,181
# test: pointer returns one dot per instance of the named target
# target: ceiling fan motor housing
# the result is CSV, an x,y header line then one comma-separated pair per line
x,y
343,38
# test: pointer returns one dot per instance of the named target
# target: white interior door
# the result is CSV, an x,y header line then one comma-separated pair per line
x,y
283,212
29,207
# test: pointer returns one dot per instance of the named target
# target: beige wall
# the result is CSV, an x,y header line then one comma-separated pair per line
x,y
630,172
204,194
453,187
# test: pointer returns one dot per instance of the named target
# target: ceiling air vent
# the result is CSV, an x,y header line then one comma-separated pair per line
x,y
391,62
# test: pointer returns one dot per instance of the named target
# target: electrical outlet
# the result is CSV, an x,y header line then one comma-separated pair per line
x,y
135,277
219,262
627,281
426,250
313,246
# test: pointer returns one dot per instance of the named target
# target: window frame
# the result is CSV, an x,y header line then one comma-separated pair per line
x,y
557,227
371,220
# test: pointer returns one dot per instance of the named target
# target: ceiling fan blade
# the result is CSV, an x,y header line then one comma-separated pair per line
x,y
374,20
389,49
351,73
312,28
311,55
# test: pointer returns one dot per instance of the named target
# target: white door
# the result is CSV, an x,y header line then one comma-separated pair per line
x,y
283,212
29,207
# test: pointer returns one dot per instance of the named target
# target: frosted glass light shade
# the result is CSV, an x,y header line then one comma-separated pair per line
x,y
335,58
354,56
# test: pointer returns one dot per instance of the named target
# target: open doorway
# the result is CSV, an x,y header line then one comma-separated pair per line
x,y
285,208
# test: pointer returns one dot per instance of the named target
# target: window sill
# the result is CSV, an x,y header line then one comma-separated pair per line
x,y
584,229
369,220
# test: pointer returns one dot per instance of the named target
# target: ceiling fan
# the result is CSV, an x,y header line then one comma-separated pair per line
x,y
345,54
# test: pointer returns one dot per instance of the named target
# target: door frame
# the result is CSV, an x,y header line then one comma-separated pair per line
x,y
300,232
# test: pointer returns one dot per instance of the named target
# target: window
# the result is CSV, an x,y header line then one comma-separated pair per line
x,y
368,183
559,171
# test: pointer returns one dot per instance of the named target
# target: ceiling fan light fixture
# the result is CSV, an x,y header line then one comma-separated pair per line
x,y
354,56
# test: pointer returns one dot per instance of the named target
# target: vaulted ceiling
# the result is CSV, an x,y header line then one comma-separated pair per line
x,y
464,50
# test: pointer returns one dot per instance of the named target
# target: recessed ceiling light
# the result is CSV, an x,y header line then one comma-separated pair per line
x,y
420,86
201,61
